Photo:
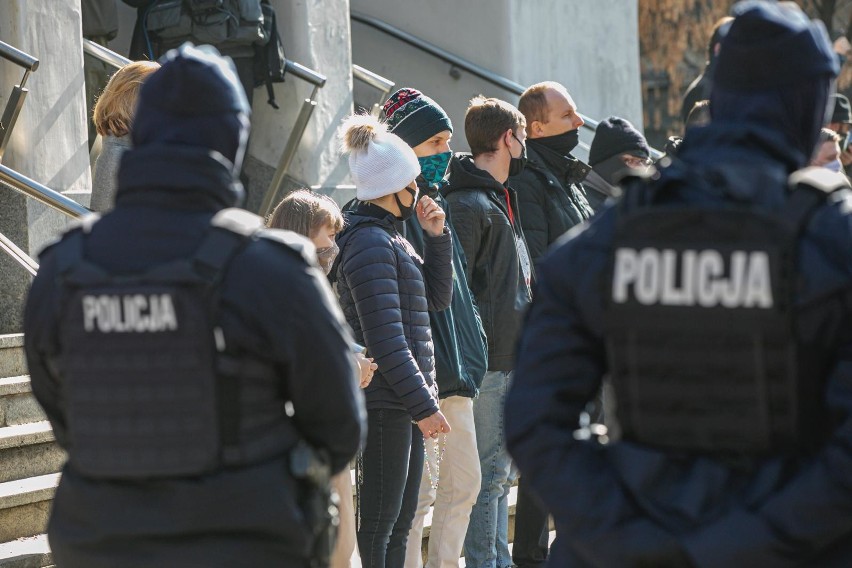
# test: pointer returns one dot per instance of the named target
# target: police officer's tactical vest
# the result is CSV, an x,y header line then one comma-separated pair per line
x,y
147,389
700,323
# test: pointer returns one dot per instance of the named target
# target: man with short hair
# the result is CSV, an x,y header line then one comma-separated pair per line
x,y
486,218
618,148
549,188
452,478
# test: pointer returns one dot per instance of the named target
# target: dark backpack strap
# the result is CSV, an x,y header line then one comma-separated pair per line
x,y
810,188
230,231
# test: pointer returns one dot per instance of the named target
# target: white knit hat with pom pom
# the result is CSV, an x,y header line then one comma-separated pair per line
x,y
380,162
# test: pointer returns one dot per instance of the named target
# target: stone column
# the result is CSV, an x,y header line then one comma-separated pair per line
x,y
49,141
316,34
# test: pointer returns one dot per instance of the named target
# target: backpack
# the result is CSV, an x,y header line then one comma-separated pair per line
x,y
700,324
270,64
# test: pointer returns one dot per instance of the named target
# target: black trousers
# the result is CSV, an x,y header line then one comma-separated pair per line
x,y
392,468
531,534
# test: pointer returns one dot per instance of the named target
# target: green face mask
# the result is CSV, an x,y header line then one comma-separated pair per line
x,y
434,169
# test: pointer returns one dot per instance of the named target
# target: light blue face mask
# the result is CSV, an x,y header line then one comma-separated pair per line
x,y
834,166
434,169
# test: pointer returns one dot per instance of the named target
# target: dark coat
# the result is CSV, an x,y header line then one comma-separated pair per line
x,y
461,348
598,191
490,241
550,197
276,310
386,291
623,503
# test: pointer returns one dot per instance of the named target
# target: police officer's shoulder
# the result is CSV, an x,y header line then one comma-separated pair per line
x,y
82,224
819,179
249,224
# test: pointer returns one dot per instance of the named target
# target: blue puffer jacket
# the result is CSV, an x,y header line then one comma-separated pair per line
x,y
627,504
386,292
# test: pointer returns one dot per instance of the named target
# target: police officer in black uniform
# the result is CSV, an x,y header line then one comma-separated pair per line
x,y
716,297
194,365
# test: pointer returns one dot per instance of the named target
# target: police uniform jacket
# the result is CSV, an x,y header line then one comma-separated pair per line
x,y
623,504
490,241
386,292
276,309
550,196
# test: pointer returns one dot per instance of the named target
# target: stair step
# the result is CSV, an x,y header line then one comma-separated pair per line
x,y
12,360
17,403
28,450
28,552
25,506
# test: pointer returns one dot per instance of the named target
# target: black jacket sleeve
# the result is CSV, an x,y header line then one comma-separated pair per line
x,y
467,223
438,270
370,266
41,345
303,332
533,205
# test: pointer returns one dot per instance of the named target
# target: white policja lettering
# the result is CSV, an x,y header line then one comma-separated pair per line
x,y
689,278
131,313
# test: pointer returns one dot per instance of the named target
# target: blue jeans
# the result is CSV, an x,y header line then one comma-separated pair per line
x,y
487,542
393,465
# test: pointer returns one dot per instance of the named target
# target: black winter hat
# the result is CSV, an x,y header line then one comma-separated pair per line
x,y
614,136
771,45
194,99
414,117
842,110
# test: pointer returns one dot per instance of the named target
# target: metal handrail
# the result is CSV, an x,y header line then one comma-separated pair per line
x,y
18,255
373,79
461,63
41,193
382,84
18,57
106,55
19,93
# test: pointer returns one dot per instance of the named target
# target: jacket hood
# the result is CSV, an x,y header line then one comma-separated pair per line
x,y
180,177
464,175
740,162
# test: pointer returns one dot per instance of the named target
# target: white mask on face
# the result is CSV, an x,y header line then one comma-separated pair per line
x,y
834,166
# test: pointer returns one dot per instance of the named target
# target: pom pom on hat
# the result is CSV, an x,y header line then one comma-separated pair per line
x,y
381,163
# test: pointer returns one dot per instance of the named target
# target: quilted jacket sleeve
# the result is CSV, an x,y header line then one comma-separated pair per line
x,y
370,267
438,270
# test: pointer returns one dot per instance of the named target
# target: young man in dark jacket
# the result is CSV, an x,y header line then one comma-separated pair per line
x,y
485,215
550,195
452,477
732,395
179,414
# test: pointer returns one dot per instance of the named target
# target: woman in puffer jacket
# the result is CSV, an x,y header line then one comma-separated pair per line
x,y
386,291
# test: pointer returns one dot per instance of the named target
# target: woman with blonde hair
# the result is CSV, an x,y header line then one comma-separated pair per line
x,y
113,118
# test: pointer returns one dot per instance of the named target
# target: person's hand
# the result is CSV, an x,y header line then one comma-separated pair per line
x,y
842,46
432,426
431,216
846,157
367,367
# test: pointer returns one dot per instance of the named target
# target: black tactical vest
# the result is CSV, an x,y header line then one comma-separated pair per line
x,y
148,387
700,324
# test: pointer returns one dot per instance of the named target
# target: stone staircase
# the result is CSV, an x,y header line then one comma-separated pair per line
x,y
30,461
29,464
